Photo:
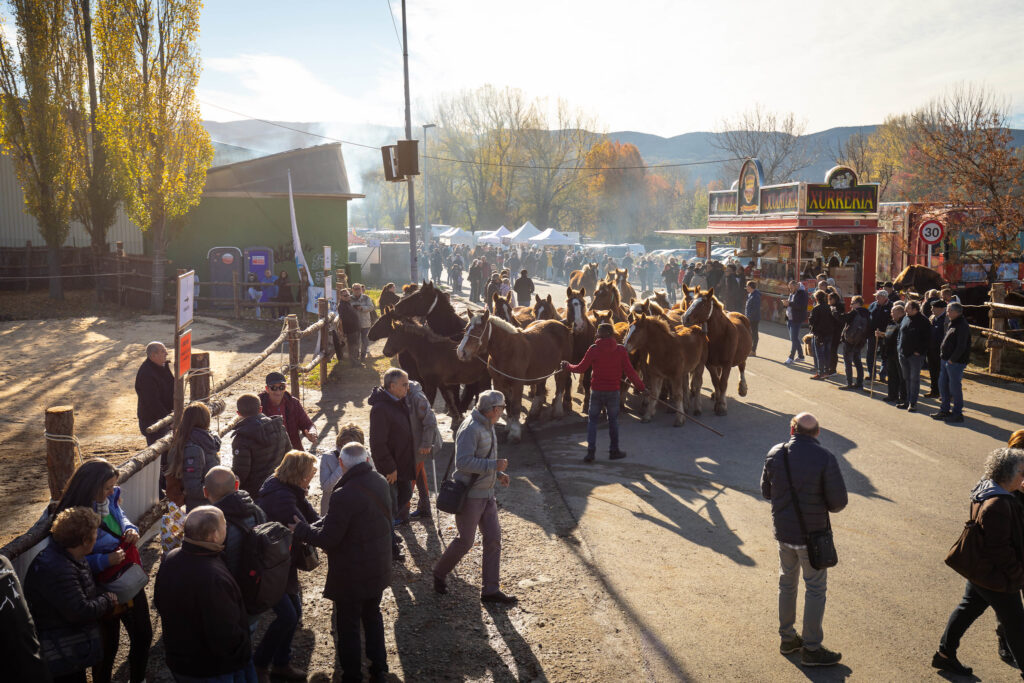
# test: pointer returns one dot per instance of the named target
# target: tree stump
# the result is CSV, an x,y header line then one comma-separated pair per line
x,y
60,455
199,384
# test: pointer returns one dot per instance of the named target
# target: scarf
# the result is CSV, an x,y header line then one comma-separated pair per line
x,y
209,545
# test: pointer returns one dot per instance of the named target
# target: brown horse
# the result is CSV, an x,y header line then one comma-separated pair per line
x,y
672,356
517,357
607,298
584,331
518,316
650,307
626,291
729,342
661,298
431,303
918,279
586,278
436,360
545,309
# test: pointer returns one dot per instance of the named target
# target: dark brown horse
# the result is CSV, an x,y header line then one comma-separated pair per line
x,y
918,279
607,298
729,342
584,331
502,306
586,278
437,361
650,307
431,303
516,358
380,329
673,356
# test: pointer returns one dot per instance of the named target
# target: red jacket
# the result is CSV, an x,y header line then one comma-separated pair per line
x,y
293,414
610,361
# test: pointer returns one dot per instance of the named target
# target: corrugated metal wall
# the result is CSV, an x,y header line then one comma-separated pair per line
x,y
17,227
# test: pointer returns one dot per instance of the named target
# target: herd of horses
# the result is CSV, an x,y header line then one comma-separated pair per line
x,y
518,346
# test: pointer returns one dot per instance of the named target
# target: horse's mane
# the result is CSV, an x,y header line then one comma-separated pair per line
x,y
503,325
410,288
418,329
660,323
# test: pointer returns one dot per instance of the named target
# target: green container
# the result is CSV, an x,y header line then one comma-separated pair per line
x,y
354,272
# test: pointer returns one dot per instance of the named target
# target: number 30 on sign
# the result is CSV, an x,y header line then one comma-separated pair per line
x,y
932,232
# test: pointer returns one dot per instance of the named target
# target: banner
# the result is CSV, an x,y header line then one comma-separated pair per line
x,y
300,259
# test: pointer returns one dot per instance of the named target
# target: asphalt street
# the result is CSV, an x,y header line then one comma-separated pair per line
x,y
682,538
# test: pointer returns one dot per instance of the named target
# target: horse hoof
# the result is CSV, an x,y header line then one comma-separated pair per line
x,y
720,410
743,389
678,423
645,419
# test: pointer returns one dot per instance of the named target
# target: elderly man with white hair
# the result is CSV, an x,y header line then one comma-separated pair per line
x,y
154,384
356,534
478,466
880,313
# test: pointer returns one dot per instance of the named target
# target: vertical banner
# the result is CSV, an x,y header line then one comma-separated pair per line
x,y
300,260
184,353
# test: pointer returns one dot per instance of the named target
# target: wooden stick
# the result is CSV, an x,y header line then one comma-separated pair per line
x,y
293,352
324,330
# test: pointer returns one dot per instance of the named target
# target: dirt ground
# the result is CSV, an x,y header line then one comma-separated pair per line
x,y
90,362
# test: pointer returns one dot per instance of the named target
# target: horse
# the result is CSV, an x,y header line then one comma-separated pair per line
x,y
380,329
517,316
431,303
650,307
584,331
518,357
673,356
626,291
544,309
438,362
661,298
729,342
586,278
918,279
607,298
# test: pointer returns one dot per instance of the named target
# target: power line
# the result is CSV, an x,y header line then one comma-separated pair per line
x,y
479,163
394,24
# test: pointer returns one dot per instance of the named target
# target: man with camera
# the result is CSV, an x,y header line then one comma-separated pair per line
x,y
478,467
802,480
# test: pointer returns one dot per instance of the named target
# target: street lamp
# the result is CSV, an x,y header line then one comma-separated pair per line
x,y
427,232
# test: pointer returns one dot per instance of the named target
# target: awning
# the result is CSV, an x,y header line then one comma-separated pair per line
x,y
854,230
703,232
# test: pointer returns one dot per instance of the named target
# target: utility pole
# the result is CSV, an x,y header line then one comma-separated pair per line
x,y
413,269
428,233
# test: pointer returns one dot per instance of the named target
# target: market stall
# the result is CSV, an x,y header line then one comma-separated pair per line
x,y
797,230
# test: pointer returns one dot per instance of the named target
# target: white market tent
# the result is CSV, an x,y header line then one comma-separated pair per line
x,y
552,238
457,236
488,238
522,236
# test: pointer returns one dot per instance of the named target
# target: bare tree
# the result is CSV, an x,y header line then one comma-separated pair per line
x,y
776,139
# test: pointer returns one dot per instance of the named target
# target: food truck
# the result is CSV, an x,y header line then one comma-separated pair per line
x,y
797,230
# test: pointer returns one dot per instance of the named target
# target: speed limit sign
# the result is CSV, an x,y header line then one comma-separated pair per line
x,y
932,232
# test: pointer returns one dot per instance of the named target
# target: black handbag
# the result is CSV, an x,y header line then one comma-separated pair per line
x,y
821,548
451,494
308,558
67,650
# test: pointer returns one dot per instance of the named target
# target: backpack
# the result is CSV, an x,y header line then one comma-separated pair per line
x,y
856,331
266,561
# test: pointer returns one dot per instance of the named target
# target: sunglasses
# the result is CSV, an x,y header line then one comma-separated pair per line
x,y
277,387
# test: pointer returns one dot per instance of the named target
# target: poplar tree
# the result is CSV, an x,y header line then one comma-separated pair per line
x,y
38,86
153,131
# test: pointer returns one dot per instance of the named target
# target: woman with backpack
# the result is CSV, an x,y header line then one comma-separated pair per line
x,y
94,485
283,498
823,328
856,327
193,453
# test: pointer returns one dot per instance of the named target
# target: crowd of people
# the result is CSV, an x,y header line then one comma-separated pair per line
x,y
901,336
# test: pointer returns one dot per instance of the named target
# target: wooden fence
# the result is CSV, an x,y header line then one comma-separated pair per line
x,y
996,336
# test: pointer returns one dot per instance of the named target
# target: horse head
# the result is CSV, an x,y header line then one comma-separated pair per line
x,y
699,312
420,301
502,307
396,342
383,326
636,336
662,299
576,308
476,337
606,296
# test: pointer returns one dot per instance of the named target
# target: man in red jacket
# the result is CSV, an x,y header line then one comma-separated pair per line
x,y
610,361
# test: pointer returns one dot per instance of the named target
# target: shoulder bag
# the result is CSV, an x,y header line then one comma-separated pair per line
x,y
451,494
966,556
69,649
821,549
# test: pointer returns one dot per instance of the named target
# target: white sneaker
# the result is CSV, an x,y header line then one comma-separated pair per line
x,y
789,361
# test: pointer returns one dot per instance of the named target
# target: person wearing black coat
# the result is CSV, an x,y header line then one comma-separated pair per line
x,y
240,513
880,312
804,469
205,624
524,288
388,297
356,533
939,323
258,445
351,326
283,499
154,384
734,297
915,332
852,347
392,443
838,308
19,646
752,309
888,345
61,592
823,328
954,354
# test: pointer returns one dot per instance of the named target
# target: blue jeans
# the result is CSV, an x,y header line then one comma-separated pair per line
x,y
246,674
794,340
912,376
823,354
276,645
598,400
951,377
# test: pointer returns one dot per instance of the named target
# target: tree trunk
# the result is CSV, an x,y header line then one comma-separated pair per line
x,y
53,270
158,283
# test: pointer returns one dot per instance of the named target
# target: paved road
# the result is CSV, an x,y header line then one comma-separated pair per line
x,y
683,540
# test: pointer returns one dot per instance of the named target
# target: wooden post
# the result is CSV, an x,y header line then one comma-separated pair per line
x,y
340,283
60,455
199,383
324,340
234,292
179,381
293,352
995,351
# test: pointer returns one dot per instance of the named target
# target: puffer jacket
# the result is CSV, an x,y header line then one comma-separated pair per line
x,y
356,534
258,446
61,591
239,511
106,542
423,423
200,456
476,454
818,482
610,362
283,502
1002,524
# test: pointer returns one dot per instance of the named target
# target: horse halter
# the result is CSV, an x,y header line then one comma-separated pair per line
x,y
437,296
480,336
